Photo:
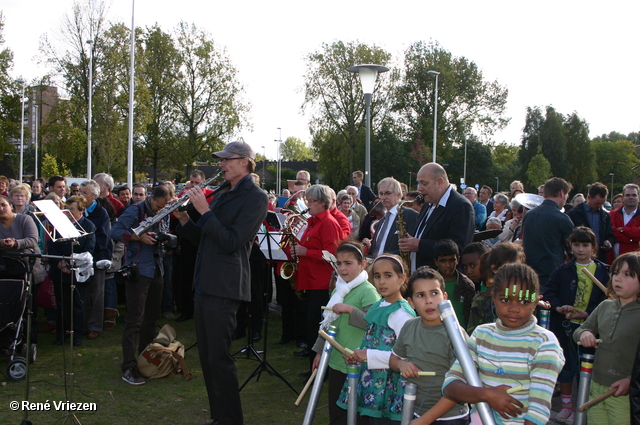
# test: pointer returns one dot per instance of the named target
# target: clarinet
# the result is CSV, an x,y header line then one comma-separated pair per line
x,y
149,222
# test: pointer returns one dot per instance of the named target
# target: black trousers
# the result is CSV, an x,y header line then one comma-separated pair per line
x,y
215,319
143,312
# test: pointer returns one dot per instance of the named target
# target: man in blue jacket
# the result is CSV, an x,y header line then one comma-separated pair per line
x,y
144,281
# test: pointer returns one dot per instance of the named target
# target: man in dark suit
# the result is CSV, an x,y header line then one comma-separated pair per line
x,y
386,236
224,234
450,216
591,214
365,194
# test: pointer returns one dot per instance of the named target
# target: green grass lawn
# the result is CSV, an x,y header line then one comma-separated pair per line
x,y
171,400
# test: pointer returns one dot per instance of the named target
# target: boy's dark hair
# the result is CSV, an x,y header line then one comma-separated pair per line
x,y
474,248
445,247
424,272
54,179
513,274
582,234
598,188
632,260
503,253
353,247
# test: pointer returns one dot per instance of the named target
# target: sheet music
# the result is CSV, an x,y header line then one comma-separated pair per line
x,y
58,220
274,239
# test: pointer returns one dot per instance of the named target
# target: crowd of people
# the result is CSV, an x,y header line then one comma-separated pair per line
x,y
398,254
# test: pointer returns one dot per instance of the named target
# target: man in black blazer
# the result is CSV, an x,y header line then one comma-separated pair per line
x,y
365,194
450,216
224,235
386,236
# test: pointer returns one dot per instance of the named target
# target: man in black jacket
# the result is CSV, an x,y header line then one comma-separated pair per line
x,y
222,278
591,214
365,194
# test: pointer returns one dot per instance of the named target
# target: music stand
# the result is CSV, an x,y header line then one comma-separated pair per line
x,y
270,247
67,230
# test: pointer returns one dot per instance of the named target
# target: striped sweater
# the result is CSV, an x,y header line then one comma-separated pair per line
x,y
529,354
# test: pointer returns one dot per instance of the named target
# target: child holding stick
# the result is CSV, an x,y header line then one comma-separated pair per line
x,y
616,322
514,351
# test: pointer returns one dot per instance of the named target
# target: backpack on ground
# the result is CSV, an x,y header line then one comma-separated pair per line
x,y
164,356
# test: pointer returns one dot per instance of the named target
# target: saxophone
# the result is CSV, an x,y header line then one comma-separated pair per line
x,y
402,230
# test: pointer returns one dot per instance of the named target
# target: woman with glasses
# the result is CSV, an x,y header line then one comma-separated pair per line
x,y
322,233
61,273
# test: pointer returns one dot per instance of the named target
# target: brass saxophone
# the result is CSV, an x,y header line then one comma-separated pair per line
x,y
402,230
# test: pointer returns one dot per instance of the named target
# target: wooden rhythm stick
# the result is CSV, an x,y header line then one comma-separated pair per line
x,y
334,343
515,389
324,307
426,373
598,341
306,387
597,400
594,280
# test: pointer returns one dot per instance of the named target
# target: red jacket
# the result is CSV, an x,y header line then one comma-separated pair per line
x,y
343,222
627,236
322,233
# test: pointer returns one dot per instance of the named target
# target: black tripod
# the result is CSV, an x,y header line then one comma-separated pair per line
x,y
264,365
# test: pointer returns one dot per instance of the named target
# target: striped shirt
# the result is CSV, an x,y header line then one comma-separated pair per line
x,y
529,356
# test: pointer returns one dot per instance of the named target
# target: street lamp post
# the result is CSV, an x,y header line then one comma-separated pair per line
x,y
35,169
90,43
611,191
264,164
497,184
368,74
464,172
435,113
21,81
409,180
279,162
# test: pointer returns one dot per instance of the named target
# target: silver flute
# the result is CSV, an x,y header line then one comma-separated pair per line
x,y
464,357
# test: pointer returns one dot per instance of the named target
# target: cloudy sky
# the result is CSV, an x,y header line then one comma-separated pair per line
x,y
578,56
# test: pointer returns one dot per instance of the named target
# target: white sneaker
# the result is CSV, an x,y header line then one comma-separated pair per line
x,y
570,418
564,415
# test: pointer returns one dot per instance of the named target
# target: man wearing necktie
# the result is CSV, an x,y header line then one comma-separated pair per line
x,y
386,238
450,216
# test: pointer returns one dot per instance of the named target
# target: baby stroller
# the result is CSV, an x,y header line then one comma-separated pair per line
x,y
14,296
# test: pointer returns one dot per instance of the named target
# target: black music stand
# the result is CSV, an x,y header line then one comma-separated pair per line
x,y
264,365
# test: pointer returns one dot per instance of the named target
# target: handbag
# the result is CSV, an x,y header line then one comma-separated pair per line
x,y
46,297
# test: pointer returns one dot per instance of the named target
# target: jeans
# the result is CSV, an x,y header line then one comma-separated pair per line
x,y
167,291
110,292
94,301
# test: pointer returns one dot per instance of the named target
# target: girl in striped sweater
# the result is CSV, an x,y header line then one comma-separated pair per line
x,y
513,352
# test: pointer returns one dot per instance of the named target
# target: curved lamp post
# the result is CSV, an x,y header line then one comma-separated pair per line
x,y
368,74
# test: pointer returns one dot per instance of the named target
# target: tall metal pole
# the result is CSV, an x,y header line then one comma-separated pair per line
x,y
131,96
264,164
21,133
611,190
35,172
367,148
497,184
279,162
435,114
89,115
464,172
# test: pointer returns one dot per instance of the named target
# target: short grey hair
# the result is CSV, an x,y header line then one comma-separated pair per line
x,y
107,180
395,185
93,186
514,205
494,220
502,198
321,193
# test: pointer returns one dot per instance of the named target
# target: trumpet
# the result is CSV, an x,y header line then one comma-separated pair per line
x,y
149,222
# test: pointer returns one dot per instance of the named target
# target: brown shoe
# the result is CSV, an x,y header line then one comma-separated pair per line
x,y
110,315
92,335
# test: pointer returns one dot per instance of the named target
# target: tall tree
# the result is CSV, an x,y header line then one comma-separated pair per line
x,y
539,170
581,158
207,95
554,142
466,101
294,149
617,158
9,99
334,96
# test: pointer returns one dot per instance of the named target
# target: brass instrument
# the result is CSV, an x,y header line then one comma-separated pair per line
x,y
149,222
377,211
402,233
297,215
